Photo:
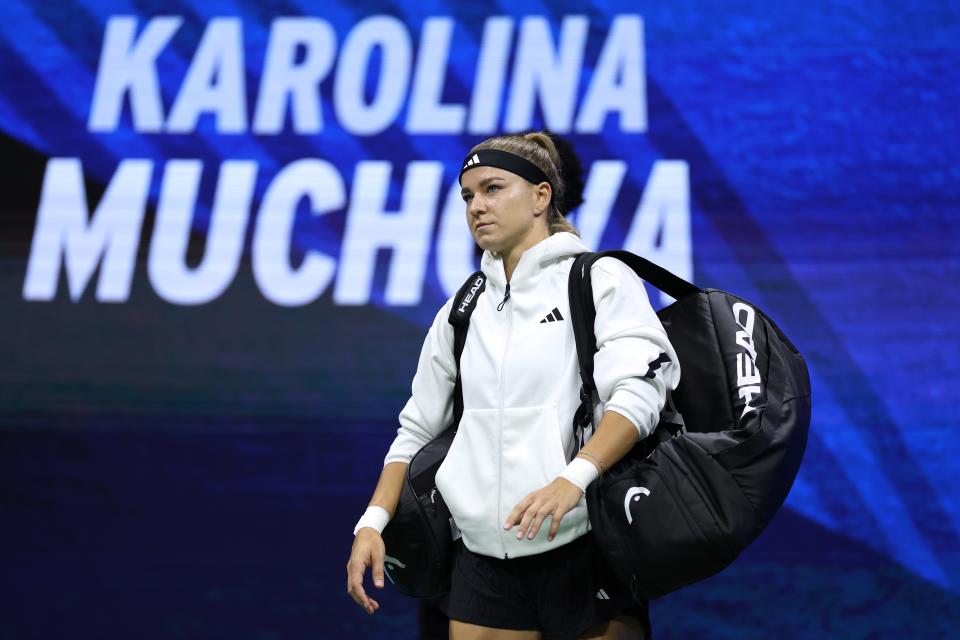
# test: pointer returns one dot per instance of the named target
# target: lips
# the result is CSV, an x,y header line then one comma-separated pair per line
x,y
482,224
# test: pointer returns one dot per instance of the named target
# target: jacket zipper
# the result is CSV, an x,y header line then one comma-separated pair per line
x,y
503,362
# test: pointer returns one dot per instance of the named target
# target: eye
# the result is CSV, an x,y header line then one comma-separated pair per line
x,y
467,197
492,187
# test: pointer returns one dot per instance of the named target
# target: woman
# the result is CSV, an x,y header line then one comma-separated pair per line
x,y
514,479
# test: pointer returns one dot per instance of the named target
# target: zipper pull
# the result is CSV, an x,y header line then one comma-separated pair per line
x,y
505,298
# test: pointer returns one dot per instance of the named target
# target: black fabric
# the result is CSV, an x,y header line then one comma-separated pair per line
x,y
418,539
563,592
434,623
687,500
580,293
508,162
464,304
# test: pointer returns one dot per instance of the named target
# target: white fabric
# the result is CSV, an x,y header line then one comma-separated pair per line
x,y
581,473
521,388
374,517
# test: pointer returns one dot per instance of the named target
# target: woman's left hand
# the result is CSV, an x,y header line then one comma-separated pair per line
x,y
553,500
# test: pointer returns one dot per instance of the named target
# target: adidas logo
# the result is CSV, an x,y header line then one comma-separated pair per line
x,y
602,595
553,316
472,161
652,371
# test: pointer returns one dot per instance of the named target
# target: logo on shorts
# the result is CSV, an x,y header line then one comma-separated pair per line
x,y
602,595
391,564
633,494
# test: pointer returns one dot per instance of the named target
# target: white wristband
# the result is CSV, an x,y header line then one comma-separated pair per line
x,y
374,517
581,473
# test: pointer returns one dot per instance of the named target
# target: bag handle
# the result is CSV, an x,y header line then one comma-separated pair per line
x,y
583,312
463,305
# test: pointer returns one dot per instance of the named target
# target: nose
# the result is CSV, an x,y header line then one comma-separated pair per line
x,y
476,206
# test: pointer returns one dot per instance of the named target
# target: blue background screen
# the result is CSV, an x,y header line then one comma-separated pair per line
x,y
227,225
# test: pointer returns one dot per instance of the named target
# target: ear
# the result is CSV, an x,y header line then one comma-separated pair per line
x,y
541,197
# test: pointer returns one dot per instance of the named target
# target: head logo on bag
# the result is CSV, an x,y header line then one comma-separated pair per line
x,y
391,564
748,376
633,493
477,285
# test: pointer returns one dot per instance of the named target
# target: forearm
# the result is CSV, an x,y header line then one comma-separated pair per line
x,y
612,439
387,493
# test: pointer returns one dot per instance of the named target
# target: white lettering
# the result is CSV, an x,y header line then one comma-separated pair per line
x,y
64,235
426,113
744,315
283,78
214,82
128,66
319,182
455,244
166,265
661,225
747,372
618,83
746,394
599,195
489,80
356,116
550,75
301,53
467,299
745,337
406,232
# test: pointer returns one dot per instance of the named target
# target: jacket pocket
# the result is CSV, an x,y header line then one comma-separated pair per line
x,y
468,478
532,452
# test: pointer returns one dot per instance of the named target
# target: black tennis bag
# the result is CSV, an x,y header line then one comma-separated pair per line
x,y
419,538
689,498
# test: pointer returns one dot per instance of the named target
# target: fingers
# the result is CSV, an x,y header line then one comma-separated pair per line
x,y
554,526
356,591
518,511
553,501
378,568
525,520
355,570
539,516
360,559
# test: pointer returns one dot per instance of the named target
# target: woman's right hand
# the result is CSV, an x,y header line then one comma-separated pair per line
x,y
368,551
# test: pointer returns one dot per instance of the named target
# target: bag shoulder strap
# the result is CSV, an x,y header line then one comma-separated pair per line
x,y
583,313
463,305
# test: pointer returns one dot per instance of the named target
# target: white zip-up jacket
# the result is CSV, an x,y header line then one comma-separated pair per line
x,y
521,386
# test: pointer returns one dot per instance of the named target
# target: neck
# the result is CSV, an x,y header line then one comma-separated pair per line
x,y
511,258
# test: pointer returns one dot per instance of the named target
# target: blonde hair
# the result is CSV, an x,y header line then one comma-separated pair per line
x,y
538,148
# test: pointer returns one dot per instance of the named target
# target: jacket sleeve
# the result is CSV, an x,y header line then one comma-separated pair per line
x,y
430,407
635,365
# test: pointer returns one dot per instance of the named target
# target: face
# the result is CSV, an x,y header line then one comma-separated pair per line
x,y
504,211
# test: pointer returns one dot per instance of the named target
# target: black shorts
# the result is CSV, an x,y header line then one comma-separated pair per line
x,y
563,592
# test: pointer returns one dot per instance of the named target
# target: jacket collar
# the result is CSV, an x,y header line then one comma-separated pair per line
x,y
554,247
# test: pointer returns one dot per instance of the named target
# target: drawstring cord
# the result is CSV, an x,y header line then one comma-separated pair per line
x,y
505,298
